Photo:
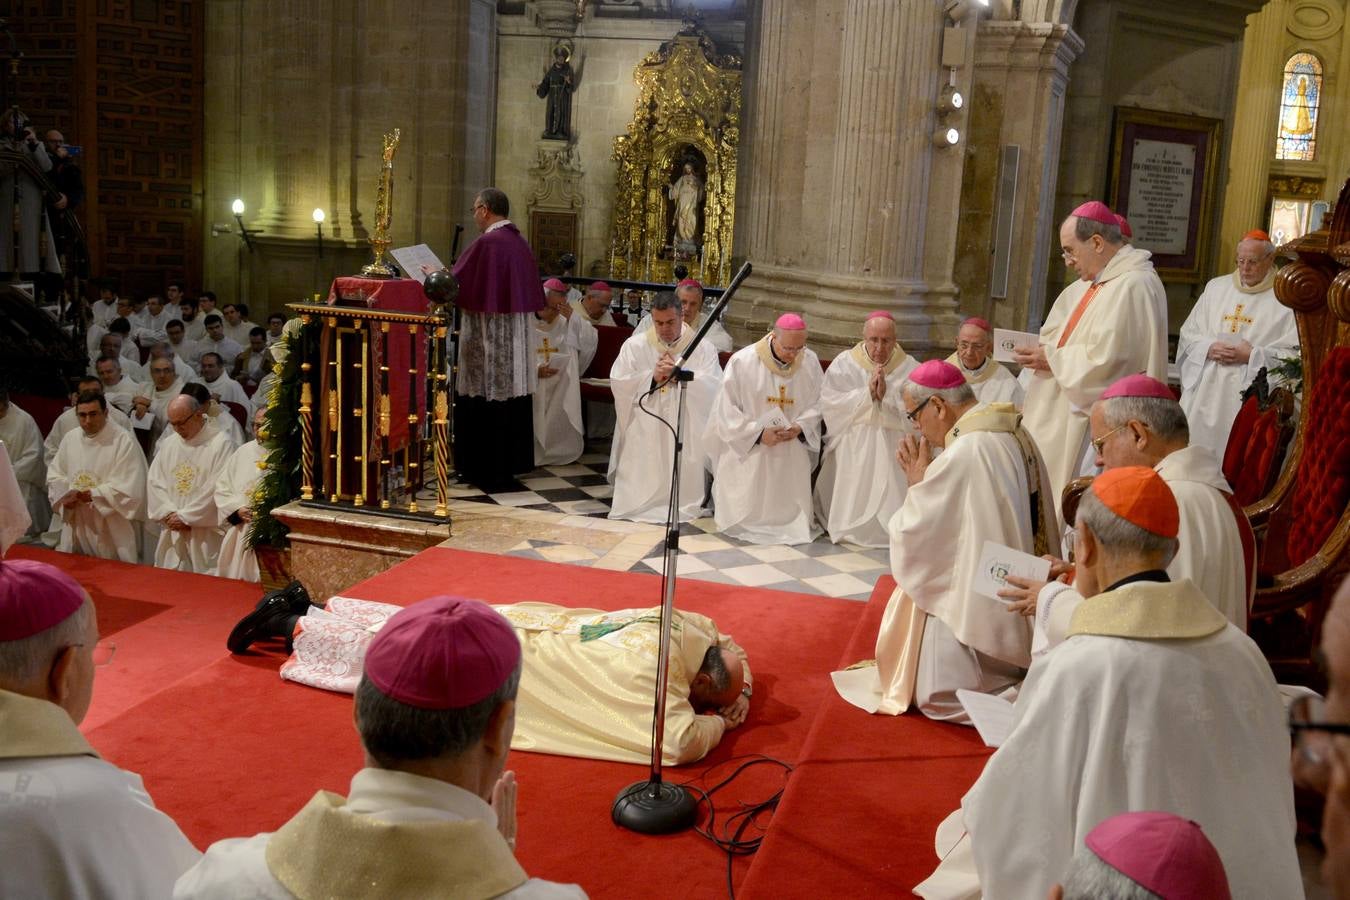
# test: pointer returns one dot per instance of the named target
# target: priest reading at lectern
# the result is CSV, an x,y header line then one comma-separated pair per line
x,y
499,292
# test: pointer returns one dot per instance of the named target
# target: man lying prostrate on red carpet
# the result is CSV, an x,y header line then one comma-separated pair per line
x,y
71,825
432,814
589,676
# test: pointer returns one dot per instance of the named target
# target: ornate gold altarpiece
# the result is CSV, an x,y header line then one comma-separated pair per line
x,y
688,105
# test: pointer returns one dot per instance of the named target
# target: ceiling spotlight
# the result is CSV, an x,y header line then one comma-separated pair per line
x,y
237,207
946,137
950,100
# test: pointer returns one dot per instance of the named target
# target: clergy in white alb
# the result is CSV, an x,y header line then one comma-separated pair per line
x,y
580,332
237,325
23,442
96,486
181,486
149,326
150,408
690,293
641,459
860,487
222,387
432,813
1138,422
1236,329
120,390
559,432
991,382
73,825
234,503
119,347
68,422
1154,702
939,633
217,342
186,349
594,310
764,438
1110,323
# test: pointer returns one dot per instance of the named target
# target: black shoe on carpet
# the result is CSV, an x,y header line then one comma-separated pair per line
x,y
272,619
298,598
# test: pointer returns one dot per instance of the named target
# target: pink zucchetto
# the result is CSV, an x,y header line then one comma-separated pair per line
x,y
35,596
1124,224
1162,853
1139,385
443,653
1097,211
979,323
600,287
689,282
555,285
880,314
790,322
937,374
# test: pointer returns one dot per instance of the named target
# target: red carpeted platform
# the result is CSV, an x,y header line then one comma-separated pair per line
x,y
858,816
228,749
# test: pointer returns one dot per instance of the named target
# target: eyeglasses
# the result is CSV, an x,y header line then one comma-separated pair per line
x,y
102,653
1066,254
478,206
913,414
970,345
1097,443
1246,261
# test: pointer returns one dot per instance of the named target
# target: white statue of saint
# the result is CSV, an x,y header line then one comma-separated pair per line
x,y
687,192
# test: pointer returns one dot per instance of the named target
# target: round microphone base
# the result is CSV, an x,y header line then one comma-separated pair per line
x,y
658,808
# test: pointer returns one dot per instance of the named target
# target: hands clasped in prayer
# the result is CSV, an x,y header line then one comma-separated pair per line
x,y
73,498
877,385
914,455
1230,354
772,436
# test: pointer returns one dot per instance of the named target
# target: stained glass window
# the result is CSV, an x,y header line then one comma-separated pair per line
x,y
1300,100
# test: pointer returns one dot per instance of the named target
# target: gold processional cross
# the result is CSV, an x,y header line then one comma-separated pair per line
x,y
1237,318
782,400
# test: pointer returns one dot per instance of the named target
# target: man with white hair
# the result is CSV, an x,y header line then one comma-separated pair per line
x,y
594,307
690,293
859,487
764,438
73,824
1145,856
181,485
96,485
559,432
1155,702
1237,328
642,458
234,503
1110,323
23,442
987,377
939,633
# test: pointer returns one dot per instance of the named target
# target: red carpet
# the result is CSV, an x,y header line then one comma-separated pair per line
x,y
867,795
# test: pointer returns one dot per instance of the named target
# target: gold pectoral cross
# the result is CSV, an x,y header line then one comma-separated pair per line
x,y
546,351
783,400
1237,318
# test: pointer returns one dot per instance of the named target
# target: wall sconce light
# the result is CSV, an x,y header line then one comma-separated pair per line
x,y
946,136
237,207
318,226
957,10
951,99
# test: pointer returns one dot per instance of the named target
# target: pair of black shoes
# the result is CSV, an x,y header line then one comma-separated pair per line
x,y
274,617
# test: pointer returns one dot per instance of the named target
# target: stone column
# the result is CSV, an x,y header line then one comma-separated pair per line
x,y
1257,110
834,176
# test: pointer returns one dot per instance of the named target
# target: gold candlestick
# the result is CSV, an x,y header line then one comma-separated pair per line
x,y
379,267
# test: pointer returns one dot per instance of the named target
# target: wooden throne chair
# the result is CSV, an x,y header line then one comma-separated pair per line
x,y
1260,437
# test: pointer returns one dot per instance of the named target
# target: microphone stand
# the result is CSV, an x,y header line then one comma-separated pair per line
x,y
652,806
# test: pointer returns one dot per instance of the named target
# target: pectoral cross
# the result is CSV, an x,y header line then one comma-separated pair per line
x,y
783,400
1237,318
546,351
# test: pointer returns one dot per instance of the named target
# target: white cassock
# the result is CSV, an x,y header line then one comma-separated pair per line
x,y
14,517
234,491
1122,331
991,382
157,417
182,480
68,422
239,333
938,634
641,459
717,335
227,389
1155,702
1209,547
860,486
188,351
559,435
584,338
23,442
195,330
1228,312
227,349
103,312
111,467
762,494
147,329
121,394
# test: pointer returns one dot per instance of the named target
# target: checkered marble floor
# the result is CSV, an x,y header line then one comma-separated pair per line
x,y
578,495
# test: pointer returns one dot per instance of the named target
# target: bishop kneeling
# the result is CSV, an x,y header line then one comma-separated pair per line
x,y
939,633
559,433
765,436
642,457
859,487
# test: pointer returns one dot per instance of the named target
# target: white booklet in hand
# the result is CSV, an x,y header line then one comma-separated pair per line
x,y
992,716
997,562
1006,341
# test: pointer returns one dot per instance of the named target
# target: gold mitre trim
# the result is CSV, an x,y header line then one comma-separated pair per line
x,y
766,356
1149,610
859,354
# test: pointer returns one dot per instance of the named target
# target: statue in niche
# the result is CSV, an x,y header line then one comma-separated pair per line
x,y
686,195
557,88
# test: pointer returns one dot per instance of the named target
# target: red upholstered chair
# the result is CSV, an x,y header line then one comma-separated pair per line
x,y
611,338
722,358
239,412
1257,443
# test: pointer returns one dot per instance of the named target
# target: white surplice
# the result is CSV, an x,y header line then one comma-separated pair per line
x,y
1155,702
717,335
111,467
234,491
158,413
68,422
559,434
762,494
187,351
642,456
23,441
1229,312
226,388
584,337
226,348
1123,331
991,382
182,480
14,517
860,485
121,394
238,333
148,330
